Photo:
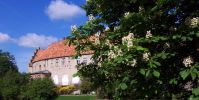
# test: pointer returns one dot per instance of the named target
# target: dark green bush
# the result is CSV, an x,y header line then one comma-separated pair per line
x,y
39,89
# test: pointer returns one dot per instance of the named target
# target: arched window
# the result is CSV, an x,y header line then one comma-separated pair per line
x,y
76,80
65,80
55,79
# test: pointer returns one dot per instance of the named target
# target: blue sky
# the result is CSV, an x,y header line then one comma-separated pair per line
x,y
28,24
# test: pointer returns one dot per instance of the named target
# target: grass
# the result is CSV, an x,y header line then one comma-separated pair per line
x,y
76,97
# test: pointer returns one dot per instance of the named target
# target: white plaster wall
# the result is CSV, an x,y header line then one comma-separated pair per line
x,y
59,69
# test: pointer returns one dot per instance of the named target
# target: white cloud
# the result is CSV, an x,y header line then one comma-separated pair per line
x,y
33,40
59,9
4,37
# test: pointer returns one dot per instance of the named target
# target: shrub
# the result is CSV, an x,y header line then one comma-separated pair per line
x,y
40,89
11,85
66,89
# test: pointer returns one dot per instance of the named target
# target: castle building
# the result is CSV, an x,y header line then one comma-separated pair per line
x,y
57,62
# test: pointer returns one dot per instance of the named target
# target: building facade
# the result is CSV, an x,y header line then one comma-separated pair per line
x,y
58,63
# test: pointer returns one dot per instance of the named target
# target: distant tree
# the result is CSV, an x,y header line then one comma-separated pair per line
x,y
39,89
7,62
12,84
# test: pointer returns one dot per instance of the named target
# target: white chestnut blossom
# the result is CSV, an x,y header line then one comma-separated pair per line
x,y
167,44
141,8
192,22
187,61
128,39
107,42
148,34
116,28
114,52
134,62
111,54
188,86
119,51
97,41
107,29
97,34
91,17
146,56
126,14
73,28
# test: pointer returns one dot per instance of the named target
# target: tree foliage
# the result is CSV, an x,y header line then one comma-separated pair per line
x,y
7,62
86,86
18,86
12,84
149,50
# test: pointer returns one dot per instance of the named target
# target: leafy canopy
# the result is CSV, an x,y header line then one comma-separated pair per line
x,y
142,48
7,62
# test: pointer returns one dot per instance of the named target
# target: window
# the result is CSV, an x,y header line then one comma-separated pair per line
x,y
56,63
40,67
78,60
51,62
44,67
56,80
69,66
63,61
69,62
46,62
84,60
65,80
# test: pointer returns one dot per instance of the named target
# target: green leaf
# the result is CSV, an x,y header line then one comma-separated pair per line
x,y
197,34
76,74
133,81
147,73
133,1
123,86
139,48
193,76
159,82
126,78
173,81
156,63
190,38
195,91
184,74
183,38
142,71
156,73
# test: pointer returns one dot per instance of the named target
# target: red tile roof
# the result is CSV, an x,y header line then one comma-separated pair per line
x,y
56,50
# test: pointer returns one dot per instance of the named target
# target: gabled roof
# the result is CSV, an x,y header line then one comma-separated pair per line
x,y
56,50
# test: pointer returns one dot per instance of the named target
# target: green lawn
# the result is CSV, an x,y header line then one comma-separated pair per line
x,y
76,97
